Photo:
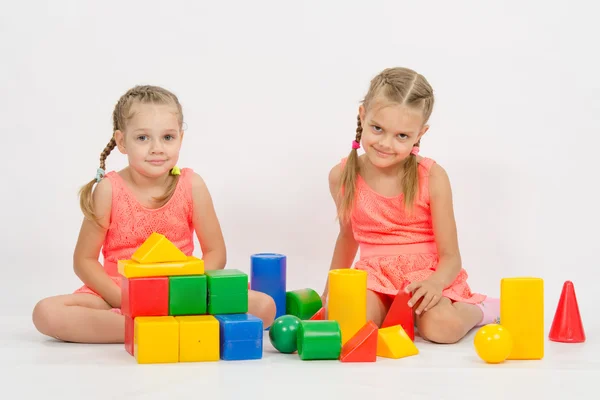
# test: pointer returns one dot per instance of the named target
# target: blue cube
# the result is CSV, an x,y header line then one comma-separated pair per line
x,y
241,336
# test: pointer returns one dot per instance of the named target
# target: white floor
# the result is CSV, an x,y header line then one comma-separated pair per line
x,y
34,365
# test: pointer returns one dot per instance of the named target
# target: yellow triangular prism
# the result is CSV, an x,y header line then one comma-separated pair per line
x,y
393,342
156,249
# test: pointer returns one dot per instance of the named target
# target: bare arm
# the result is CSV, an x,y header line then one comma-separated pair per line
x,y
89,243
207,226
345,245
444,226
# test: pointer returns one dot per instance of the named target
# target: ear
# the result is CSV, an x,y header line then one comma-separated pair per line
x,y
120,139
423,131
361,113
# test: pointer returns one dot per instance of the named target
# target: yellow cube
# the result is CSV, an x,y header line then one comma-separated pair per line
x,y
156,340
198,338
132,269
522,314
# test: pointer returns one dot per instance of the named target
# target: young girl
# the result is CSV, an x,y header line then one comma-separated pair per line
x,y
150,195
396,206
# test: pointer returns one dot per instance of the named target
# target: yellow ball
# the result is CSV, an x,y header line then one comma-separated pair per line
x,y
493,343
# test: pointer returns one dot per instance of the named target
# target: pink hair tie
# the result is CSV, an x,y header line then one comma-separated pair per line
x,y
415,150
355,145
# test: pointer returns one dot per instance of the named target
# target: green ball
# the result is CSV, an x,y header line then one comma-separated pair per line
x,y
284,333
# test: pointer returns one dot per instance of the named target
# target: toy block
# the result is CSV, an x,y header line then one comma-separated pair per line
x,y
393,342
132,269
401,314
268,275
227,291
145,296
302,303
348,300
129,333
157,249
522,314
319,340
241,336
362,347
156,340
198,338
567,326
319,315
187,295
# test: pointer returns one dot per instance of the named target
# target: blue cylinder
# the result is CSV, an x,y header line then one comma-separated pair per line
x,y
268,275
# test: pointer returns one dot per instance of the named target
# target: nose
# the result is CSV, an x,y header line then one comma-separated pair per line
x,y
156,147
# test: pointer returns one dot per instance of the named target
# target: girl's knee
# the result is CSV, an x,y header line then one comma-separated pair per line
x,y
45,317
441,327
263,306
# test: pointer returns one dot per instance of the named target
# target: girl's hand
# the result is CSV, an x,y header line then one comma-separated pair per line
x,y
429,291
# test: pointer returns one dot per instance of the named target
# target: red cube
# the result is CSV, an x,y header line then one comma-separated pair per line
x,y
145,297
129,327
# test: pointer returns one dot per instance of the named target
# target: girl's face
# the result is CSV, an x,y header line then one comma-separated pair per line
x,y
152,139
389,133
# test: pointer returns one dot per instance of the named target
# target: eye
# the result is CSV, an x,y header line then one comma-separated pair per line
x,y
142,137
402,136
169,137
376,128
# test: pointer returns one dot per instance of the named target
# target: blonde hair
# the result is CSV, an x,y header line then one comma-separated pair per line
x,y
400,86
121,114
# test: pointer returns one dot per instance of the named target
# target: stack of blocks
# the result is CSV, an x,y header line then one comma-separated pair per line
x,y
177,312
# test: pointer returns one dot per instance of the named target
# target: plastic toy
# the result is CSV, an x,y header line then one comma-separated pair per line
x,y
522,314
198,338
393,342
319,315
164,301
132,269
284,333
303,303
157,248
567,326
348,300
188,295
156,340
401,314
362,347
227,291
319,340
145,296
241,336
268,275
493,343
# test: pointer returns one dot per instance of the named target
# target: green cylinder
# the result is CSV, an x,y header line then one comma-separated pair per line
x,y
302,303
319,340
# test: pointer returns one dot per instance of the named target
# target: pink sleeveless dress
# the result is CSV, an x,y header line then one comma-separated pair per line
x,y
396,248
131,223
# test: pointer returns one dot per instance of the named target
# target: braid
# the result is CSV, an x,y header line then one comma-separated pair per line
x,y
107,150
359,129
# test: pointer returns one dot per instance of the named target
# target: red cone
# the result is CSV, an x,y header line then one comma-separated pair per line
x,y
567,326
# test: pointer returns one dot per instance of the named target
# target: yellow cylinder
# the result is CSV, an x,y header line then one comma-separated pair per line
x,y
347,300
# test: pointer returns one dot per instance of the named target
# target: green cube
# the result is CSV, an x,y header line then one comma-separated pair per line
x,y
187,295
227,291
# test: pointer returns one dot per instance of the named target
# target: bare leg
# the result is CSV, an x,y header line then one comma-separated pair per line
x,y
447,322
377,307
262,306
79,317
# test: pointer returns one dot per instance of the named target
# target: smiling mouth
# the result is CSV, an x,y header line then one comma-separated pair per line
x,y
384,153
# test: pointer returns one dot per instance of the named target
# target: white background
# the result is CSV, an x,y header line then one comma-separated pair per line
x,y
270,91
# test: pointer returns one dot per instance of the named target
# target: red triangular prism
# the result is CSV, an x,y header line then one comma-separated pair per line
x,y
362,347
319,315
567,326
401,314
